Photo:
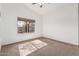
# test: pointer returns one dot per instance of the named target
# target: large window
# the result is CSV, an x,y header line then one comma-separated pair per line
x,y
25,25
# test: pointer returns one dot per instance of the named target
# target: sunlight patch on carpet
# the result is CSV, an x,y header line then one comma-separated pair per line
x,y
29,47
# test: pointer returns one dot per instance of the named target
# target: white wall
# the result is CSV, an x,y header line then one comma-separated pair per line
x,y
62,24
78,24
8,30
0,28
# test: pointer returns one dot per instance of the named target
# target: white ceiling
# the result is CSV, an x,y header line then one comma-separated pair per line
x,y
47,7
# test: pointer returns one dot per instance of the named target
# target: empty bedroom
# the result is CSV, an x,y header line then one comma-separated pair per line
x,y
39,29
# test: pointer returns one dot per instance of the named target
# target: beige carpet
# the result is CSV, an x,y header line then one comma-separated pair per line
x,y
29,47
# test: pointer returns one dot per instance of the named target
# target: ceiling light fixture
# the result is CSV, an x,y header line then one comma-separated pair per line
x,y
40,4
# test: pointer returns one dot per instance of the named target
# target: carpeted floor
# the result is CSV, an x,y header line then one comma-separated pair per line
x,y
53,48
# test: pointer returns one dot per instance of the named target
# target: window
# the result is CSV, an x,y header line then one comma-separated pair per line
x,y
25,25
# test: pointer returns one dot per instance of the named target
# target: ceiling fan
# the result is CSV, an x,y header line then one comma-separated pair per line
x,y
40,4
